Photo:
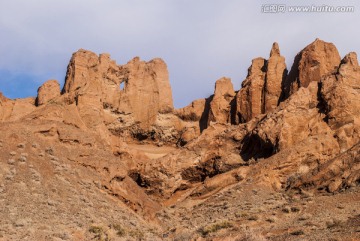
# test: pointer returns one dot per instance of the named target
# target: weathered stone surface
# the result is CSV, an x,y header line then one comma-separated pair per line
x,y
147,90
2,98
311,64
261,90
337,173
48,91
11,110
297,121
193,111
275,74
220,105
249,99
173,180
94,82
340,95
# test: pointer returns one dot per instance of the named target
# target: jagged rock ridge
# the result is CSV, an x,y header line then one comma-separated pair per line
x,y
132,167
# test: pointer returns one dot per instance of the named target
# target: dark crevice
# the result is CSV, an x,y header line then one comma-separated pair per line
x,y
284,76
204,120
254,147
140,181
233,111
141,136
199,173
292,77
322,105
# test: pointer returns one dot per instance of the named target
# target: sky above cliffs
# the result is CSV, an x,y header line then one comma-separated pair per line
x,y
200,41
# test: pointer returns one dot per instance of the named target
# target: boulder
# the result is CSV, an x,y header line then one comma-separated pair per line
x,y
311,64
193,111
48,91
220,105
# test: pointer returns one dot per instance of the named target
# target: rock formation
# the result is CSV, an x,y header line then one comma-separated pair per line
x,y
11,110
109,158
275,74
261,90
94,83
249,99
313,62
339,93
192,112
220,105
48,91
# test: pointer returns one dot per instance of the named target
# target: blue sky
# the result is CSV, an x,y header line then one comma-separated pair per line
x,y
200,41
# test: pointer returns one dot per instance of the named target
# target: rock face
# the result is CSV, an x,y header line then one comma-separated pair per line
x,y
112,143
316,60
48,91
192,112
2,98
94,83
146,83
220,105
339,93
275,74
11,110
260,91
249,99
335,174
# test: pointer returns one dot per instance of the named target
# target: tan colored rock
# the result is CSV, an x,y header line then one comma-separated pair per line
x,y
94,82
3,101
261,90
2,98
340,94
192,112
275,74
249,99
311,64
220,105
11,110
295,121
147,90
48,91
286,152
337,173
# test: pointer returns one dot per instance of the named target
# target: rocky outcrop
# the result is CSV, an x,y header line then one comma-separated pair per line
x,y
311,64
2,98
249,99
340,99
220,105
111,143
94,82
275,74
337,174
48,91
11,110
261,90
193,111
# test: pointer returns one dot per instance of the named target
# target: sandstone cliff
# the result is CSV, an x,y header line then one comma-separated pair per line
x,y
108,157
